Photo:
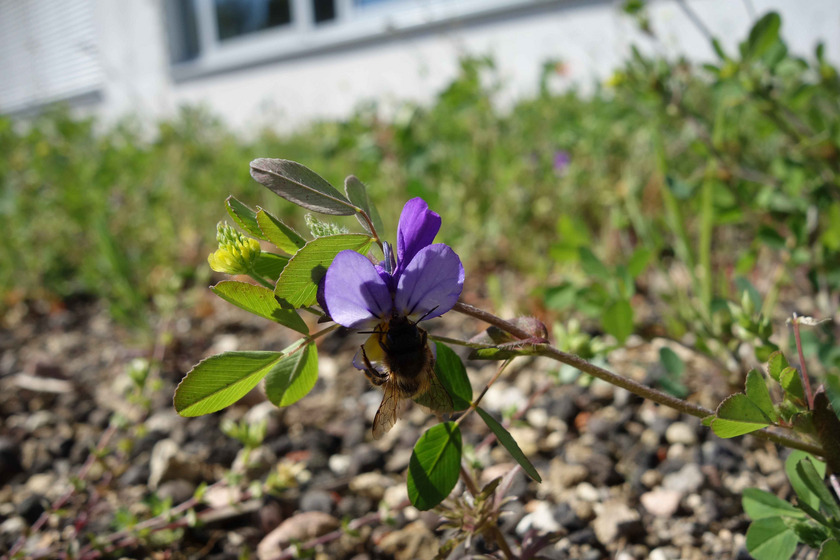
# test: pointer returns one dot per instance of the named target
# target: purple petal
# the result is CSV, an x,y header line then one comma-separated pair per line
x,y
354,292
430,284
417,229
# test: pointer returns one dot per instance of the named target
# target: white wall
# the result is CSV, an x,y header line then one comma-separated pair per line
x,y
592,37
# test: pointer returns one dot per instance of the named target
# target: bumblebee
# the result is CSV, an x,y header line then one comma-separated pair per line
x,y
406,371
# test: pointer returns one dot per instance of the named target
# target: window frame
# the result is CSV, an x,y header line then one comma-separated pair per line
x,y
352,25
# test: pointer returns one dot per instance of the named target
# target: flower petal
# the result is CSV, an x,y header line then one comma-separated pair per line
x,y
417,229
354,292
430,284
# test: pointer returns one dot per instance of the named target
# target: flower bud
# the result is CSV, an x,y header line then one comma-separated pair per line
x,y
236,253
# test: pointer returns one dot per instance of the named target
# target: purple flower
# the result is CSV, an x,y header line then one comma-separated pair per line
x,y
562,159
424,281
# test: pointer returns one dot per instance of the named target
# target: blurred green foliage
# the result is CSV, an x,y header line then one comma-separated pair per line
x,y
717,176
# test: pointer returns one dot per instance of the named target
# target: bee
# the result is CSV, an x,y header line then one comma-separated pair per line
x,y
406,371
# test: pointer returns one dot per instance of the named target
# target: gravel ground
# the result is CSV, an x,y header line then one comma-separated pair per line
x,y
622,478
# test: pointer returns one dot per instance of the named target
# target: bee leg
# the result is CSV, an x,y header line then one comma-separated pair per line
x,y
375,377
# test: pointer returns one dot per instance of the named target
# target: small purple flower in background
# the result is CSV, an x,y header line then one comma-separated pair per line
x,y
562,159
388,300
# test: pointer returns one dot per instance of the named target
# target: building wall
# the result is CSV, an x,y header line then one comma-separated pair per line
x,y
592,37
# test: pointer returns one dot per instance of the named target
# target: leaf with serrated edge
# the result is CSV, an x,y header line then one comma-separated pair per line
x,y
776,364
259,301
791,382
282,236
298,284
299,184
293,377
757,392
738,415
357,193
509,443
435,465
244,216
221,380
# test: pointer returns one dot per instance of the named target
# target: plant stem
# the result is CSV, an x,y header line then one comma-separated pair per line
x,y
634,387
803,370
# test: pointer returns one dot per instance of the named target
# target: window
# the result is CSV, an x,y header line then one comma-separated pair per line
x,y
48,53
209,36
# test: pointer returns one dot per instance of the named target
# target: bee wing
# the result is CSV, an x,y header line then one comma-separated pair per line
x,y
388,411
436,398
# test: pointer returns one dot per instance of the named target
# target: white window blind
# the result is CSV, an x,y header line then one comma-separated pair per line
x,y
48,52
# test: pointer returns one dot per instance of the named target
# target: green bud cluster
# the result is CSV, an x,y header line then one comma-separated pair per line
x,y
236,253
323,229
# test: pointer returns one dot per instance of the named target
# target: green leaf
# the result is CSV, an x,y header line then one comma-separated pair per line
x,y
221,380
298,284
718,49
738,415
792,384
259,301
776,364
813,481
244,217
452,374
617,320
282,236
293,377
764,33
758,393
830,550
434,466
357,193
592,265
803,493
299,184
638,261
509,443
270,266
771,539
759,504
672,363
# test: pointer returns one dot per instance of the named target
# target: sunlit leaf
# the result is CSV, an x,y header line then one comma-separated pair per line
x,y
244,216
759,504
776,364
259,301
757,392
509,443
282,236
434,466
738,415
299,184
770,538
221,380
298,284
293,376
